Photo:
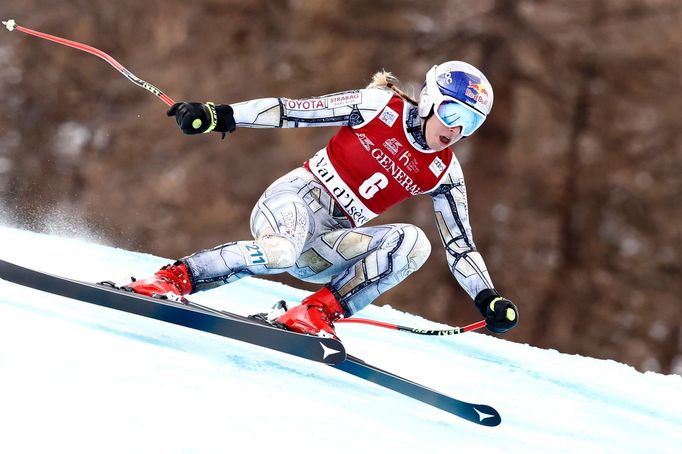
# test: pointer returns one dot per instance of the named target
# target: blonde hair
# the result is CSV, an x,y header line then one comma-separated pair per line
x,y
385,80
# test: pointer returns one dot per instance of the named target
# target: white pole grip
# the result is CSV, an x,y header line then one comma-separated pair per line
x,y
10,24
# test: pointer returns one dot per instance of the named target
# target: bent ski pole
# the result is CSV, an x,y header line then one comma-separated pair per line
x,y
426,332
12,25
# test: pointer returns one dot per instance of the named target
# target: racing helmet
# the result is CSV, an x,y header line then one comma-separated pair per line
x,y
458,94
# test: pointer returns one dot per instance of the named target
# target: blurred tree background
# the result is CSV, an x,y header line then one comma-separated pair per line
x,y
574,181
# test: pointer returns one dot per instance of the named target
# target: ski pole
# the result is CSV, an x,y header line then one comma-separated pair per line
x,y
426,332
12,25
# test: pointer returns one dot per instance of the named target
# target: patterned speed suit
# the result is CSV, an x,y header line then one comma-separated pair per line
x,y
309,223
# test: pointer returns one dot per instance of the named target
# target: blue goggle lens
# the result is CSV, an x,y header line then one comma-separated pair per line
x,y
452,114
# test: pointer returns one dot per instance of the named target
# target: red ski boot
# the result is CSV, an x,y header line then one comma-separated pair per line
x,y
171,282
315,315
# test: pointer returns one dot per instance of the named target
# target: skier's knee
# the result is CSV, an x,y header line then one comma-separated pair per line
x,y
408,241
280,252
420,246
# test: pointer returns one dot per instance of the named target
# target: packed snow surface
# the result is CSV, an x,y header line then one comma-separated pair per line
x,y
78,378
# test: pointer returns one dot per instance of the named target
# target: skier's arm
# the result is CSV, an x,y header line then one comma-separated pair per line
x,y
465,262
347,108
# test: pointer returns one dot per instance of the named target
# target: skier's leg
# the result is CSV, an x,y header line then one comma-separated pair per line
x,y
363,263
403,249
279,222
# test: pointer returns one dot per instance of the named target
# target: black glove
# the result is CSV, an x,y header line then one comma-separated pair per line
x,y
196,118
500,314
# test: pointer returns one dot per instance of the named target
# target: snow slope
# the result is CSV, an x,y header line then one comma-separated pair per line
x,y
77,378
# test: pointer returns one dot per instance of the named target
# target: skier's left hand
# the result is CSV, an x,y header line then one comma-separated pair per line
x,y
197,118
500,314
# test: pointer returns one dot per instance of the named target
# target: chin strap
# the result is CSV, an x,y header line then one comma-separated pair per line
x,y
426,119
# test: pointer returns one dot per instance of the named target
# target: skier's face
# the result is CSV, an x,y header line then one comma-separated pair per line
x,y
438,136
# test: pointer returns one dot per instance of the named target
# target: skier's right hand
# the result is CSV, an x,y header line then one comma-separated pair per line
x,y
500,314
197,118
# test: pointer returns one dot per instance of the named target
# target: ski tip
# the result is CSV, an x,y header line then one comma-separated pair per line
x,y
487,416
10,24
333,353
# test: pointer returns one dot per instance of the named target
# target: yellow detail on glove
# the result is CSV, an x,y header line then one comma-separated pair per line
x,y
196,124
510,314
214,117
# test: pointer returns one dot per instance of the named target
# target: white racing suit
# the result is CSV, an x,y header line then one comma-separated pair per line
x,y
309,223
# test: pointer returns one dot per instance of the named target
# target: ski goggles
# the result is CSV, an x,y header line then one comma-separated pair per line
x,y
453,113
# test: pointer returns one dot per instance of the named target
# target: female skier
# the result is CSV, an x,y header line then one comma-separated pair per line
x,y
309,223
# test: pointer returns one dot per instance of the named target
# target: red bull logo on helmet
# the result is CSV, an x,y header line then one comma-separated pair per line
x,y
477,93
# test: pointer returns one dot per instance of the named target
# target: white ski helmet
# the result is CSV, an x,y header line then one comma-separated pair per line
x,y
458,94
